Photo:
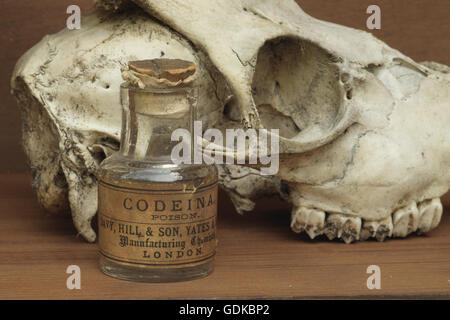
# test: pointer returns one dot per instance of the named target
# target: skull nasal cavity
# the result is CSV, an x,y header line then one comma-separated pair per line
x,y
296,87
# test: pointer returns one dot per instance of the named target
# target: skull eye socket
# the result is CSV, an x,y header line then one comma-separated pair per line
x,y
296,88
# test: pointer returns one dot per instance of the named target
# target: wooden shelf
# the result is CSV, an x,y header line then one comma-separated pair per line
x,y
258,257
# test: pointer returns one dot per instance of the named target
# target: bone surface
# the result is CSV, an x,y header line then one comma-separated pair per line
x,y
364,130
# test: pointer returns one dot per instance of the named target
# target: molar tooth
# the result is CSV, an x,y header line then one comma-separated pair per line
x,y
377,229
331,227
385,229
430,213
310,220
344,227
351,230
406,220
366,232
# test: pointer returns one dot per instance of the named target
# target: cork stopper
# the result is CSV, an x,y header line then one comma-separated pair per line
x,y
173,70
159,73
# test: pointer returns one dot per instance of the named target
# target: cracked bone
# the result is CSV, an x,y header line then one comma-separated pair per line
x,y
363,128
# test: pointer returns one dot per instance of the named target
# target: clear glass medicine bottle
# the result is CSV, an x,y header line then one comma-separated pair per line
x,y
156,219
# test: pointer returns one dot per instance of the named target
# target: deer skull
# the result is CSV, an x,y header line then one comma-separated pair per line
x,y
364,130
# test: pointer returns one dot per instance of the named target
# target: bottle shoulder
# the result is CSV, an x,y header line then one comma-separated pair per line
x,y
119,168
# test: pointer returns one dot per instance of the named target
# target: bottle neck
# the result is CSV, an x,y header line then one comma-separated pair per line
x,y
149,118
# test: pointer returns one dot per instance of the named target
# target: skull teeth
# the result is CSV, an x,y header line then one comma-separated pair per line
x,y
406,221
343,227
309,220
430,213
377,229
420,218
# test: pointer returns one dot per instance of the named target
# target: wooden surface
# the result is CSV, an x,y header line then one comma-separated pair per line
x,y
258,257
419,28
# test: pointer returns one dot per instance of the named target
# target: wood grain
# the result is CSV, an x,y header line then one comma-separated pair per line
x,y
418,28
258,257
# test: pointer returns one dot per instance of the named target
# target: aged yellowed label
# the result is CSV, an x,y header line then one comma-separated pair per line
x,y
158,225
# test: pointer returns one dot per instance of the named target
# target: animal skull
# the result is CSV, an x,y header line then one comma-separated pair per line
x,y
364,134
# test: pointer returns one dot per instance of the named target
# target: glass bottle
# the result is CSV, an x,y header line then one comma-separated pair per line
x,y
156,218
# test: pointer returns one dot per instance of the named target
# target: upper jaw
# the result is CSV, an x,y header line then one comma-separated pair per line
x,y
416,217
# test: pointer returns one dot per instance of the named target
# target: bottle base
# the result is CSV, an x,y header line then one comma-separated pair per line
x,y
142,274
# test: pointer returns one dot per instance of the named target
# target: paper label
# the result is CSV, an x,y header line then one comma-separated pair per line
x,y
157,225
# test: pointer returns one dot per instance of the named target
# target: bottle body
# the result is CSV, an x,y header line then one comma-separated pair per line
x,y
157,219
157,222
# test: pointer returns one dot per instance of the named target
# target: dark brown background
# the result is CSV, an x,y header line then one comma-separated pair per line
x,y
419,28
